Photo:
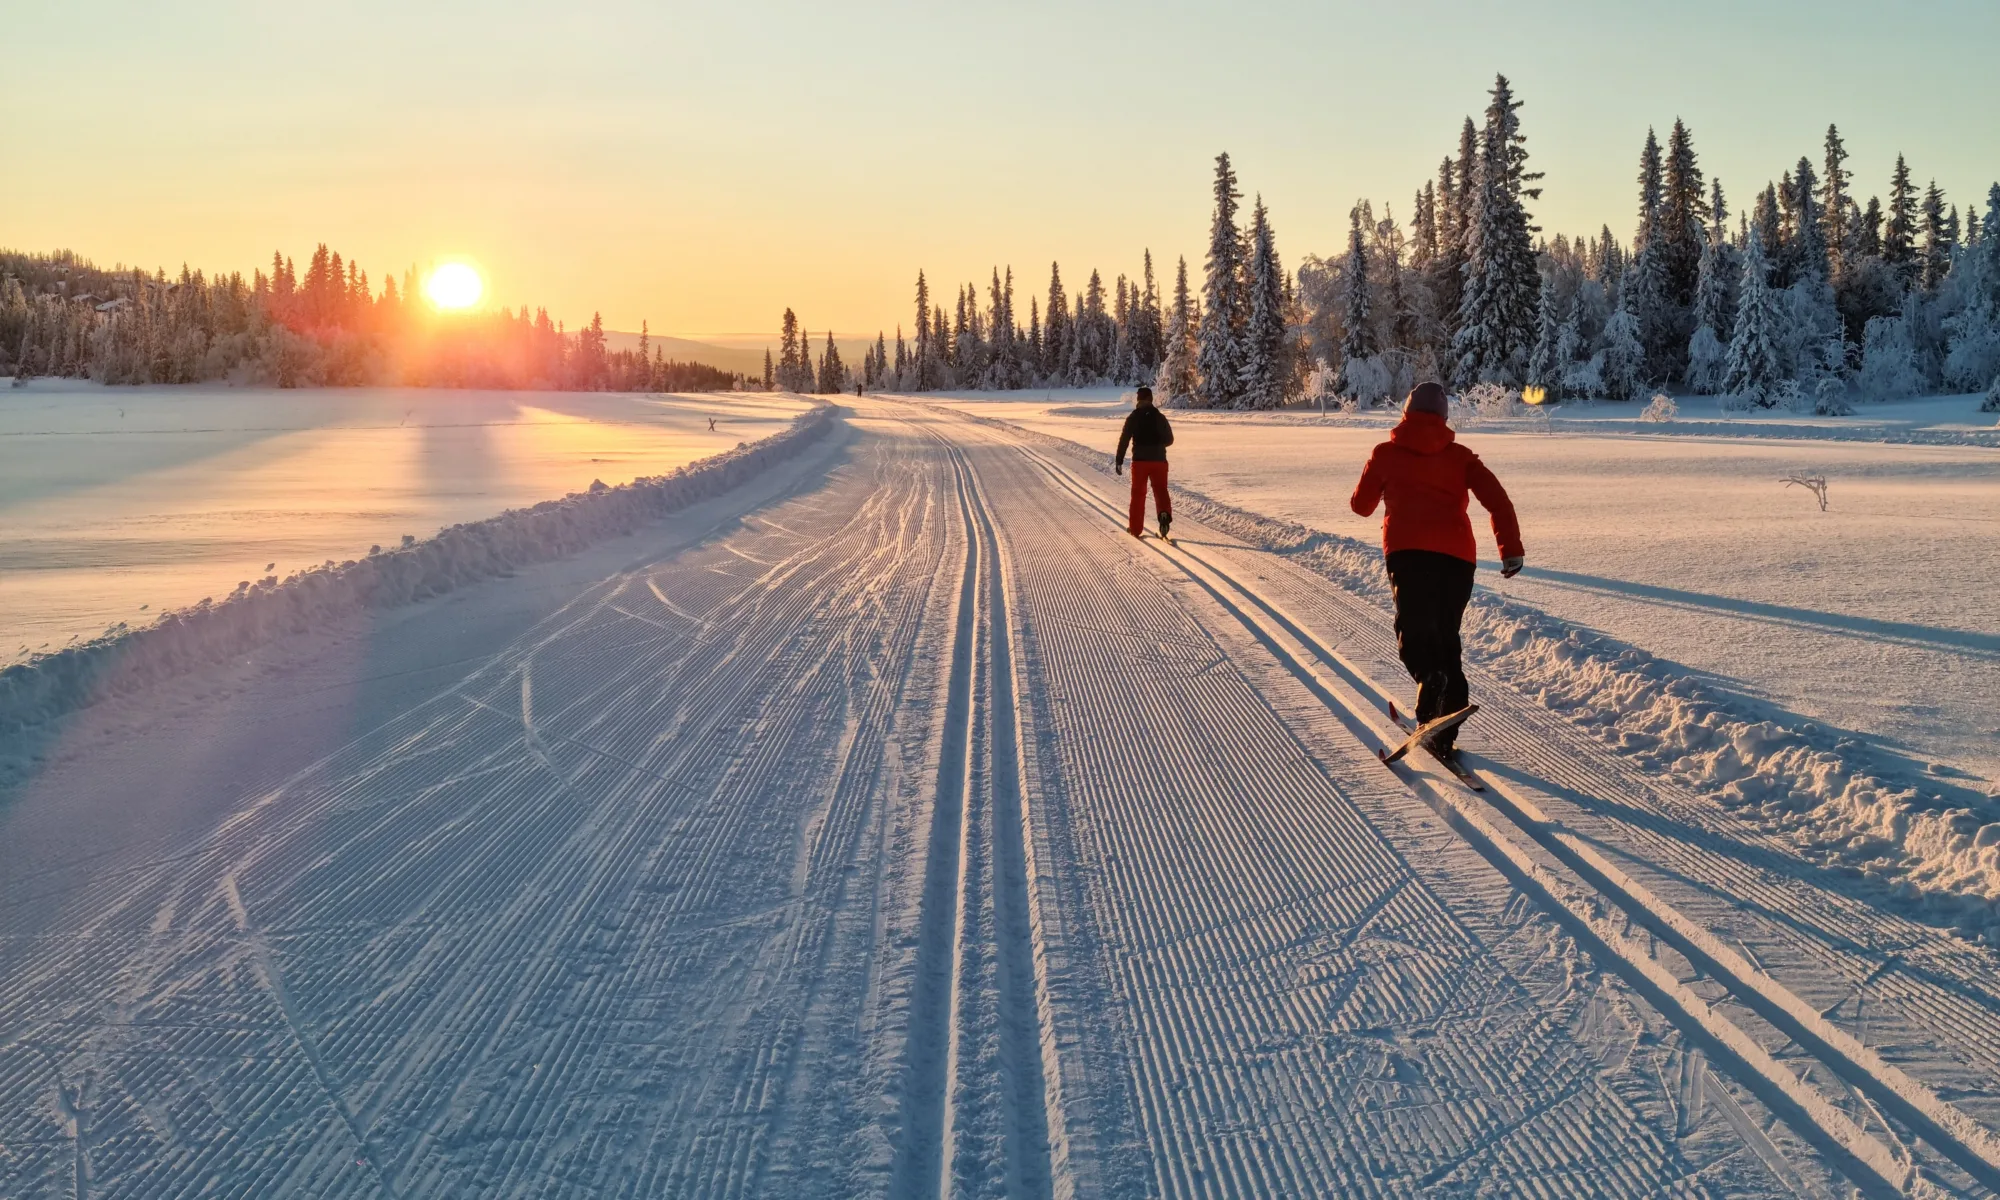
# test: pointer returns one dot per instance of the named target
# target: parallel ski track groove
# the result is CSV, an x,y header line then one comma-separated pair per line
x,y
771,649
1202,1066
1967,1144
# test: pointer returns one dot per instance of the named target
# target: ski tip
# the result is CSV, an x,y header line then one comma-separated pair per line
x,y
1393,714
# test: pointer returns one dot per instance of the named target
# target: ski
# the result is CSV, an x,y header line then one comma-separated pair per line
x,y
1420,735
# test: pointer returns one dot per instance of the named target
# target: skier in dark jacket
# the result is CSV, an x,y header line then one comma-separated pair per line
x,y
1148,434
1425,476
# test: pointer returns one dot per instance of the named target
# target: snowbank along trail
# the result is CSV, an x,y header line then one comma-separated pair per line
x,y
922,834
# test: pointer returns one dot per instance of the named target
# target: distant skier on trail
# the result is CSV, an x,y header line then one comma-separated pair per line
x,y
1425,475
1148,434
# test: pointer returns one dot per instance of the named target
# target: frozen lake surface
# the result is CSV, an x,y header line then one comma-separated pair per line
x,y
117,503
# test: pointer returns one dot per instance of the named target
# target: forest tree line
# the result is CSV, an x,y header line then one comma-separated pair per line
x,y
1808,296
62,316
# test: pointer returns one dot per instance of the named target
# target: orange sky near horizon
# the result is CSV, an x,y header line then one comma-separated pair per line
x,y
704,167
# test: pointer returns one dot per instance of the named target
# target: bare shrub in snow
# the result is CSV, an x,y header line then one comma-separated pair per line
x,y
1487,402
1661,408
1323,384
1816,484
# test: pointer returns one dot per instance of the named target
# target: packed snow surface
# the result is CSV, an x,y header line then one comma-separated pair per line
x,y
1879,617
894,824
118,503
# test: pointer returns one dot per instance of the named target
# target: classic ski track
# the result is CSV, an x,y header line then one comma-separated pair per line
x,y
559,877
1229,1090
978,1065
611,914
1967,1143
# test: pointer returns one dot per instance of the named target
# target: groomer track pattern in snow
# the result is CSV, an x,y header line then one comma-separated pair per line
x,y
896,825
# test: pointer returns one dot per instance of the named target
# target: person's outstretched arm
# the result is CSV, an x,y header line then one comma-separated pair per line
x,y
1124,440
1506,526
1367,492
1166,429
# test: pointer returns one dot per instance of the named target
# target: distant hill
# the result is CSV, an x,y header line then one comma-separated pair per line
x,y
725,358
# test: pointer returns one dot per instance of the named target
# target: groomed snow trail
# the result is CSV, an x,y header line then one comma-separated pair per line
x,y
924,835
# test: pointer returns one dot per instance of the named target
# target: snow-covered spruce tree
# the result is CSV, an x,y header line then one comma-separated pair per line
x,y
1624,370
1708,361
1055,328
923,365
1177,379
1266,371
1502,281
1755,366
1543,369
1899,230
1835,230
1223,304
1570,343
1806,250
1357,339
1681,228
1934,260
1714,297
788,354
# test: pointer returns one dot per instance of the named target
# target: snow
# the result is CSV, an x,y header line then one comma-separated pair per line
x,y
1835,673
49,686
865,813
118,503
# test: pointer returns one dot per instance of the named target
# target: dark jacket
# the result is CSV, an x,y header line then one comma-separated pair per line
x,y
1427,478
1147,432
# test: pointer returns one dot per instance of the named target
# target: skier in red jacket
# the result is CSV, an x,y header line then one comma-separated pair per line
x,y
1424,475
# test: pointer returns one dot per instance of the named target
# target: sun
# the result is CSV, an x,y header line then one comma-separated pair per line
x,y
454,285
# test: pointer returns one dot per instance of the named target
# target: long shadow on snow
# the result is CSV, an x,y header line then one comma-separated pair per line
x,y
386,661
1984,645
1856,887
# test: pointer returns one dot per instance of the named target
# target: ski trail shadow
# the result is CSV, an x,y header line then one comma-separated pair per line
x,y
1838,883
1983,645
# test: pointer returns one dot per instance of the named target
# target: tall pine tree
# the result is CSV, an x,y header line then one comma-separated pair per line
x,y
1178,373
1502,281
1223,306
1755,360
1265,368
1357,339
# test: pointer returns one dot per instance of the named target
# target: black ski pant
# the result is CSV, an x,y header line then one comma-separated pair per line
x,y
1431,591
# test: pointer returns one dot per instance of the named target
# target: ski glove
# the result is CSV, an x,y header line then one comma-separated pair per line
x,y
1510,567
1118,467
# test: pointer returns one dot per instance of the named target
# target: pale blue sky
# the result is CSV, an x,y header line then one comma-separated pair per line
x,y
705,165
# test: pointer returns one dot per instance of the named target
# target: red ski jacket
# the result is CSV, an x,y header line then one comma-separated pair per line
x,y
1425,475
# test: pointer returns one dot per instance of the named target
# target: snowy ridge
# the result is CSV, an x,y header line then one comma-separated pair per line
x,y
50,685
1828,804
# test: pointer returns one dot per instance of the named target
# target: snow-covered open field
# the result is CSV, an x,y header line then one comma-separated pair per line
x,y
1879,616
895,825
116,503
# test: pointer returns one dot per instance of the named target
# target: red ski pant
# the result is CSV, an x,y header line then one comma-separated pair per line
x,y
1143,474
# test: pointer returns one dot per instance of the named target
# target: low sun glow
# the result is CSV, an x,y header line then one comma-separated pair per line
x,y
454,285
